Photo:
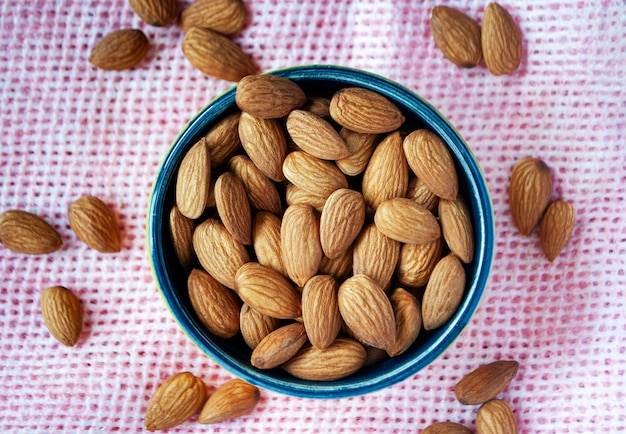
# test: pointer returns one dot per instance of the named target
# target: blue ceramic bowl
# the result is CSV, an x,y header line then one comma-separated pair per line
x,y
233,354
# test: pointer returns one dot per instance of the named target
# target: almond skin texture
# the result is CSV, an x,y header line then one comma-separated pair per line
x,y
429,158
232,399
457,36
216,305
155,12
268,96
300,243
267,291
317,176
94,224
344,357
556,228
387,173
265,144
457,229
341,221
219,253
444,292
193,180
255,326
24,232
365,111
417,262
406,221
485,382
296,195
121,49
408,314
496,417
181,233
262,192
360,149
62,314
530,190
339,268
223,140
446,428
419,192
375,255
216,55
367,311
233,207
315,136
501,41
266,241
279,346
320,310
175,401
222,16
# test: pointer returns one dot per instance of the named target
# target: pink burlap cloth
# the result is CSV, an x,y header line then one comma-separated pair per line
x,y
67,129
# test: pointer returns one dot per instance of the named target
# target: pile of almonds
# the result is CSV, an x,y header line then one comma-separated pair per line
x,y
464,43
319,229
207,25
481,387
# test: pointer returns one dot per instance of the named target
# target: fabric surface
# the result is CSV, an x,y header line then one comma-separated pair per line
x,y
69,129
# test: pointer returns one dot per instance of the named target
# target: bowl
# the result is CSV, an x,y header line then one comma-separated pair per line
x,y
233,354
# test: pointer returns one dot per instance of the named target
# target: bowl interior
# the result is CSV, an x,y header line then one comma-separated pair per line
x,y
233,354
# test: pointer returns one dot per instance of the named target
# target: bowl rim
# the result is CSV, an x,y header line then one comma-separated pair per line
x,y
484,228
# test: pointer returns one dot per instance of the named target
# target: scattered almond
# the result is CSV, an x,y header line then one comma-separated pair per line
x,y
94,223
457,36
25,232
232,399
446,428
222,16
485,382
501,41
556,228
530,190
496,417
62,314
120,49
155,12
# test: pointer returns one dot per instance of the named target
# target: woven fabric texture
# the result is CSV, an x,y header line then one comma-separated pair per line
x,y
68,129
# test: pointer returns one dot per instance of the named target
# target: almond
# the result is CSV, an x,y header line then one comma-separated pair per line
x,y
446,428
279,346
341,221
417,262
419,192
296,195
457,229
367,311
456,35
375,255
222,16
387,173
374,355
342,358
121,49
406,221
408,314
556,228
265,144
530,190
315,136
155,12
175,401
495,417
268,96
501,41
485,382
233,207
254,325
232,399
262,192
94,223
365,111
223,140
318,105
267,291
24,232
429,158
340,267
62,314
219,253
444,292
216,55
193,180
217,306
360,149
181,233
320,310
300,243
266,241
313,174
